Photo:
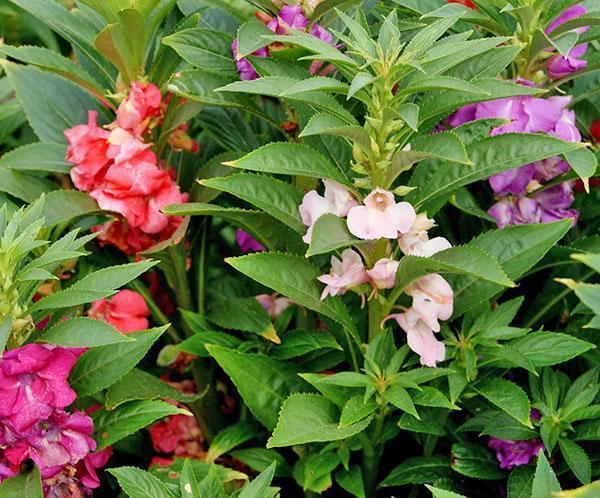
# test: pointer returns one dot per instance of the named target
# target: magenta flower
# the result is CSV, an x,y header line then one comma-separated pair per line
x,y
246,70
515,211
290,16
246,242
559,66
555,202
380,217
33,382
511,454
86,469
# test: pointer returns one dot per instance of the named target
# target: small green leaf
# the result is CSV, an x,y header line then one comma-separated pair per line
x,y
330,233
520,482
26,485
229,438
419,470
355,410
259,486
83,332
442,493
545,482
260,458
137,483
250,37
584,163
577,459
188,482
474,461
399,397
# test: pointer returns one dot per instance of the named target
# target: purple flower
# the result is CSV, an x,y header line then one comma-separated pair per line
x,y
247,72
514,181
290,16
246,242
33,381
321,33
547,169
559,66
511,454
515,211
555,202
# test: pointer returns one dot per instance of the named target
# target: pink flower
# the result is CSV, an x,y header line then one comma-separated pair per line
x,y
179,435
420,338
246,70
33,381
380,217
512,454
273,304
86,469
335,200
126,311
61,439
383,273
290,16
88,148
345,274
142,103
433,300
246,242
559,66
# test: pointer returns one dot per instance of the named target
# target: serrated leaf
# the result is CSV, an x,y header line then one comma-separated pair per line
x,y
584,163
229,438
39,156
355,410
100,367
544,482
474,461
330,233
418,470
520,482
250,37
23,485
64,205
507,396
400,398
111,426
577,459
299,342
137,483
83,332
190,488
550,348
259,486
308,418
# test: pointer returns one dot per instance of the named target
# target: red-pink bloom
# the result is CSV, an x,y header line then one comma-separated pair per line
x,y
345,274
33,382
126,311
61,439
86,469
87,150
142,103
179,435
380,217
383,273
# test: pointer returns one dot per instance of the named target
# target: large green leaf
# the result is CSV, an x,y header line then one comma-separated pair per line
x,y
207,49
464,260
550,348
83,332
516,248
23,485
545,482
64,205
263,383
577,459
418,470
38,156
475,461
507,396
140,385
310,418
295,278
290,159
275,197
111,426
520,482
23,186
100,367
52,103
138,483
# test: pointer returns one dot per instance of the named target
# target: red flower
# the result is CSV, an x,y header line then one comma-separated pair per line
x,y
595,130
126,311
466,3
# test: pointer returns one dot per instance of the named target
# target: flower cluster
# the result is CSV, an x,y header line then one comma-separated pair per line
x,y
34,393
126,311
117,167
289,17
520,192
380,217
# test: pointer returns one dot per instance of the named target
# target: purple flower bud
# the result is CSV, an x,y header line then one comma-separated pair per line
x,y
246,242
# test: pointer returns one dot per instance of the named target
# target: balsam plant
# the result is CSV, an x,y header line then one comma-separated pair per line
x,y
384,337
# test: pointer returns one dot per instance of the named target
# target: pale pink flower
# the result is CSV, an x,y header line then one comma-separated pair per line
x,y
433,299
416,235
420,338
429,247
345,274
380,217
127,311
335,200
274,304
383,273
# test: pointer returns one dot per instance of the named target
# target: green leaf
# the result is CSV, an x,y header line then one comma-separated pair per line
x,y
426,37
356,409
196,343
211,485
40,156
263,383
259,486
245,314
520,482
295,278
5,330
577,459
64,205
299,342
327,124
23,186
351,480
139,385
517,249
229,438
442,493
52,103
445,146
492,155
430,396
100,367
316,84
360,81
400,398
550,348
23,485
83,332
589,294
584,163
260,458
419,470
309,418
330,233
111,426
137,483
544,482
474,461
290,159
250,37
507,396
190,487
465,260
275,197
440,83
207,49
410,114
313,473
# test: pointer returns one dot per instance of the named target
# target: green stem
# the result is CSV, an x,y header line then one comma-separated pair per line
x,y
372,449
375,318
201,268
207,410
157,315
